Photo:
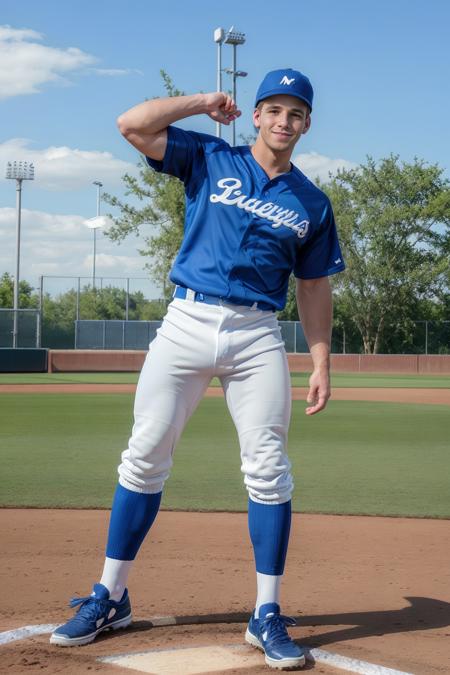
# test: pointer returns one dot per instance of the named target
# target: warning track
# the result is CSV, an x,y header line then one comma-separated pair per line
x,y
393,395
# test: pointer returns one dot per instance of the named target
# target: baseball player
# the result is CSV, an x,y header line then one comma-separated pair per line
x,y
252,218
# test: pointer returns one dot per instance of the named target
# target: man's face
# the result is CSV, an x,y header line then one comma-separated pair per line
x,y
281,121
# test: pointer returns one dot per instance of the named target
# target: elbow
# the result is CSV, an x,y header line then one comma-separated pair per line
x,y
123,125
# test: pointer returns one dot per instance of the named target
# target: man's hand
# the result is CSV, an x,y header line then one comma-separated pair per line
x,y
221,107
319,391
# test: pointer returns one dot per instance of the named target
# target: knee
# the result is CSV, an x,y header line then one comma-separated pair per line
x,y
147,461
275,491
266,466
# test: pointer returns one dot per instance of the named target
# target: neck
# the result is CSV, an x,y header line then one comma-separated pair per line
x,y
273,163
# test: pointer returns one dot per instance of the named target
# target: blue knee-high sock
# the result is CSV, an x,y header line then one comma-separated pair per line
x,y
269,526
132,516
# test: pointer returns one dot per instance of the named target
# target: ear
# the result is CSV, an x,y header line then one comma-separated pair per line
x,y
307,124
256,117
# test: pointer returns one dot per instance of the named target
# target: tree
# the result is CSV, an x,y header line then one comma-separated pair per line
x,y
393,222
109,303
27,299
162,212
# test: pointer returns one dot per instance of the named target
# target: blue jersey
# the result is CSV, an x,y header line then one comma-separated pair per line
x,y
244,232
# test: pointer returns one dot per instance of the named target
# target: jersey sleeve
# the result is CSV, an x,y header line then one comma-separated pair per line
x,y
321,255
185,154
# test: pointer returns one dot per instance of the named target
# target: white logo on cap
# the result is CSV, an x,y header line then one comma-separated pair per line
x,y
286,80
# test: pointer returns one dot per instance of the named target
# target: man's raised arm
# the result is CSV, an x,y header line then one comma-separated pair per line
x,y
145,125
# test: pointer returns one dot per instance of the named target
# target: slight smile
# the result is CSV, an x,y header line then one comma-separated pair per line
x,y
282,134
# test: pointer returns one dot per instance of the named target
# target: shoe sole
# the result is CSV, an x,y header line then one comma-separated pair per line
x,y
64,641
280,664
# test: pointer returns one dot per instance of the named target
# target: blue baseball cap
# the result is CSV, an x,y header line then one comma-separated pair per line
x,y
286,81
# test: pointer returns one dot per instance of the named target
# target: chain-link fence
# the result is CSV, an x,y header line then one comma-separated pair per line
x,y
115,334
125,312
417,337
67,300
28,327
138,335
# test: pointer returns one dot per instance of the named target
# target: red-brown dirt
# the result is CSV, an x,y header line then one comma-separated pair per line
x,y
375,589
394,395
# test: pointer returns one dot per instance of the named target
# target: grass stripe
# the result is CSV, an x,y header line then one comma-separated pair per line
x,y
356,458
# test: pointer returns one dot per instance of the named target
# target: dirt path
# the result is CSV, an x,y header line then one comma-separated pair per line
x,y
394,395
375,589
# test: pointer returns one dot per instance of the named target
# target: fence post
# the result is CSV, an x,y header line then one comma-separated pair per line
x,y
41,308
77,309
127,300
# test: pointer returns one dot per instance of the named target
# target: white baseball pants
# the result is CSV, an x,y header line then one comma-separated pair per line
x,y
241,346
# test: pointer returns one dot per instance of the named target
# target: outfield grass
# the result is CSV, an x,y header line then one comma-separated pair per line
x,y
298,379
68,378
376,380
356,458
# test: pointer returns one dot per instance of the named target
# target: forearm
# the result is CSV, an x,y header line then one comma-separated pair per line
x,y
315,308
153,116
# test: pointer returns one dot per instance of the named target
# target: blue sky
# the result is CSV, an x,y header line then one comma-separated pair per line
x,y
380,72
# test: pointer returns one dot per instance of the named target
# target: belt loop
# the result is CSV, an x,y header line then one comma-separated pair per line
x,y
190,294
254,306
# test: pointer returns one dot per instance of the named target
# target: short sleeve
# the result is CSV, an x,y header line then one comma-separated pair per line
x,y
321,255
185,156
184,150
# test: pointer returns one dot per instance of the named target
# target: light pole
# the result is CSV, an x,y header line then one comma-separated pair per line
x,y
234,38
219,35
18,171
99,186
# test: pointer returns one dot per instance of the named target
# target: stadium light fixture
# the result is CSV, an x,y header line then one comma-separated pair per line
x,y
18,171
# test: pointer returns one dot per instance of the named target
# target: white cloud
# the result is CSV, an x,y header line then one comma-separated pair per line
x,y
18,34
64,168
28,65
106,263
114,72
61,245
319,166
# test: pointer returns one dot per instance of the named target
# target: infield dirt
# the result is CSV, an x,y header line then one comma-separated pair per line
x,y
394,395
375,589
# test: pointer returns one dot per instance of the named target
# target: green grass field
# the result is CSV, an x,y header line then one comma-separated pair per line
x,y
298,379
356,458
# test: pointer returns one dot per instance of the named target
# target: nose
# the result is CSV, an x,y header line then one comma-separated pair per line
x,y
283,120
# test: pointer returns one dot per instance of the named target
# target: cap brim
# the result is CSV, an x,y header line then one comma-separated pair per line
x,y
277,92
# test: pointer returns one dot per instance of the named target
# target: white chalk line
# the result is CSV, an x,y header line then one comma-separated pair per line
x,y
319,655
25,632
353,665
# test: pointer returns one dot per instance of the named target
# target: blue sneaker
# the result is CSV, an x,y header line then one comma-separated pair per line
x,y
269,634
96,613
